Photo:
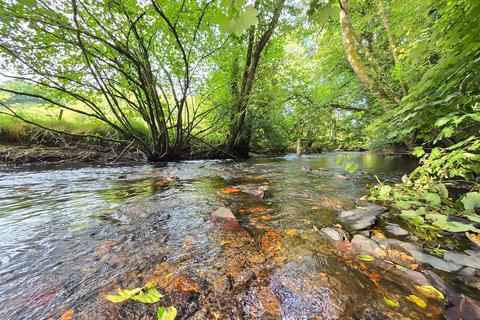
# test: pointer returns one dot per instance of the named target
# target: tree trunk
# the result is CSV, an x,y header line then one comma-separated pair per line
x,y
356,63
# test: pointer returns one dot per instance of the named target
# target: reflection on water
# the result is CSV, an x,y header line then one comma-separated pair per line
x,y
69,235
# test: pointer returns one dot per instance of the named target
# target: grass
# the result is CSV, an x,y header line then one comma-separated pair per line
x,y
13,130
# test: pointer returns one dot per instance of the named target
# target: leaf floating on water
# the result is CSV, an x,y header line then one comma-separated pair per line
x,y
475,238
231,190
390,302
152,295
67,315
430,292
366,258
166,313
417,300
291,232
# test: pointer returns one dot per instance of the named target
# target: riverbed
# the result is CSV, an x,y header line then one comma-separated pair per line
x,y
72,234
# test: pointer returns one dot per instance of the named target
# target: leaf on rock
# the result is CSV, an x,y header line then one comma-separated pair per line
x,y
475,238
152,295
431,292
417,300
366,258
390,302
166,313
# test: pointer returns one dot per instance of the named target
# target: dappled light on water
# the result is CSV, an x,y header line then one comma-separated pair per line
x,y
74,239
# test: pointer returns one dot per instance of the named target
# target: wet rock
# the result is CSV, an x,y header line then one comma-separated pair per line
x,y
470,261
440,284
365,245
418,254
333,233
467,271
396,230
362,217
471,281
364,233
464,308
224,217
416,277
122,176
473,253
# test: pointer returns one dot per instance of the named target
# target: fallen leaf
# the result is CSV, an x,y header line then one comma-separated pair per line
x,y
418,301
231,190
166,313
67,315
390,302
123,295
253,210
150,296
271,240
475,238
378,234
430,292
291,232
366,258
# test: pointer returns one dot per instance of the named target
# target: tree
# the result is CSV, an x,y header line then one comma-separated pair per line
x,y
135,66
238,140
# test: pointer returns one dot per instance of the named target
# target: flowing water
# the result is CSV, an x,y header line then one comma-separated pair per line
x,y
70,235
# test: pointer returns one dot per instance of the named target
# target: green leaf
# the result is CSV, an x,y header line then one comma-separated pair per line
x,y
390,302
473,218
454,226
123,294
418,152
433,199
366,258
442,190
166,313
116,299
471,201
150,296
384,191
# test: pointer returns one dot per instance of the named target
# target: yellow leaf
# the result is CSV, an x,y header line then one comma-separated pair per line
x,y
378,234
418,301
430,292
475,238
67,315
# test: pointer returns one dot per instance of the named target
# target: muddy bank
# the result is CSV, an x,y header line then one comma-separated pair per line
x,y
38,154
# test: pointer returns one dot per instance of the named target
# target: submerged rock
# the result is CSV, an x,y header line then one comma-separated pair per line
x,y
225,217
261,192
396,230
418,254
362,217
463,308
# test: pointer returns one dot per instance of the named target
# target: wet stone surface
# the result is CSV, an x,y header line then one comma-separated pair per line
x,y
93,230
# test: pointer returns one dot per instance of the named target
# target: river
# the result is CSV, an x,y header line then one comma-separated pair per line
x,y
71,234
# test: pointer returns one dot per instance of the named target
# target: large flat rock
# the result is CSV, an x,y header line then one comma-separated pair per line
x,y
362,217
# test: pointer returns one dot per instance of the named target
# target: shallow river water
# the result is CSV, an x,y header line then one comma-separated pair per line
x,y
70,235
